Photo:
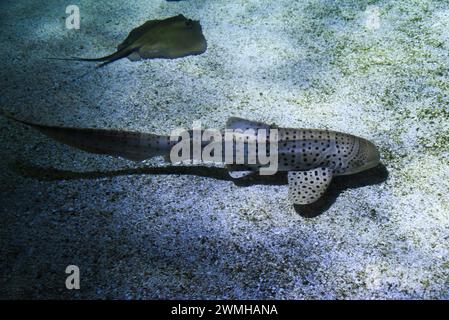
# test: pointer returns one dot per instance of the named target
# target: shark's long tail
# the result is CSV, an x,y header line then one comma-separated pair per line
x,y
133,146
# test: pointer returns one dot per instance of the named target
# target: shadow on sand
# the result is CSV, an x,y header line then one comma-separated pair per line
x,y
373,176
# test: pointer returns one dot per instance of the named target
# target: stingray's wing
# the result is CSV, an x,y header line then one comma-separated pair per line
x,y
137,33
148,26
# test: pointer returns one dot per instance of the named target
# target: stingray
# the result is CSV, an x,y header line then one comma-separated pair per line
x,y
171,38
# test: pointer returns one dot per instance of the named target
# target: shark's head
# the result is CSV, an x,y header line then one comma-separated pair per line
x,y
366,158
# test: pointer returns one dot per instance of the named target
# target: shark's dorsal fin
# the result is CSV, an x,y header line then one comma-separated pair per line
x,y
305,187
235,123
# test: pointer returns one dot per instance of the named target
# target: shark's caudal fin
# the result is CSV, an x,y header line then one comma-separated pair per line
x,y
305,187
133,146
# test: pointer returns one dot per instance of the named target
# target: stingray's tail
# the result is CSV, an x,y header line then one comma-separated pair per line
x,y
133,146
106,60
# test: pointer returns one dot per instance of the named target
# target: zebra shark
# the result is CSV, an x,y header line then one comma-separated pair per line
x,y
311,157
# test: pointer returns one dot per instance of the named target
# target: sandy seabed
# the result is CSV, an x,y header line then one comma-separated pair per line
x,y
376,69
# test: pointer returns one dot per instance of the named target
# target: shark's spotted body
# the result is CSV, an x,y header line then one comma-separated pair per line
x,y
311,157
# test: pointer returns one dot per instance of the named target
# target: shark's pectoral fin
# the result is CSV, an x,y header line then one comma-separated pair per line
x,y
306,187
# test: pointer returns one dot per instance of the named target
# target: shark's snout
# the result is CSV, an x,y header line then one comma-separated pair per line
x,y
371,155
366,158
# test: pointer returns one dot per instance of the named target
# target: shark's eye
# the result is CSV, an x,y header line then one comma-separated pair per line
x,y
189,23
